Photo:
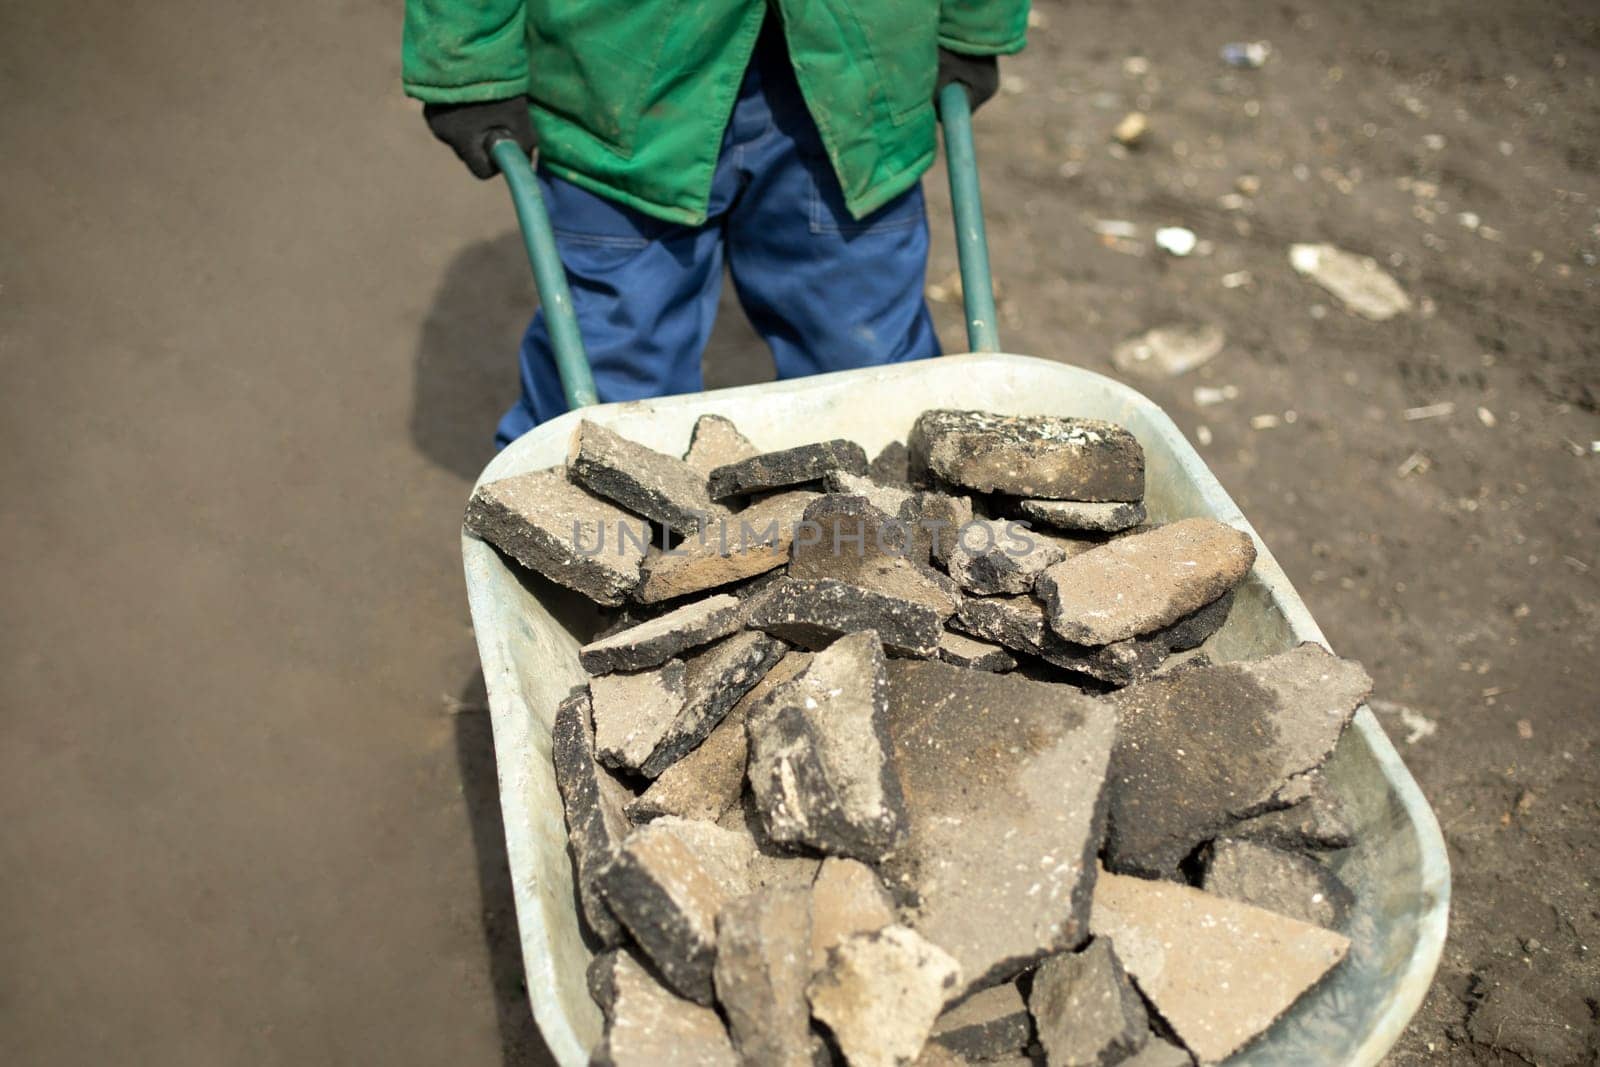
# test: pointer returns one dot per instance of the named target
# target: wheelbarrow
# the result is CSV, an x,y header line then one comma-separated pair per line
x,y
529,631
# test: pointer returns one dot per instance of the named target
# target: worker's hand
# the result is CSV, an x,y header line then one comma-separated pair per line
x,y
466,129
980,74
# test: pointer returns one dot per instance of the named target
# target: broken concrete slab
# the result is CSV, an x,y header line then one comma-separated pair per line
x,y
593,802
716,442
789,467
1018,622
762,968
959,650
888,499
559,530
1084,516
1001,777
820,766
647,1025
846,898
988,1025
990,556
1218,971
1283,882
847,539
731,549
706,783
1144,582
1315,821
772,866
653,642
713,681
892,465
1199,749
1085,1009
811,613
653,484
1041,456
666,884
633,710
880,994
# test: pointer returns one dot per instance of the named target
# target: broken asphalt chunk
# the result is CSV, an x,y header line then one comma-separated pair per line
x,y
647,1025
847,539
1218,971
713,682
1044,456
1283,882
989,556
1143,582
731,549
1001,778
716,442
846,898
593,802
667,883
988,1025
551,526
762,968
1315,821
653,484
880,994
1086,1011
813,612
653,642
820,766
789,467
959,650
1084,516
1200,748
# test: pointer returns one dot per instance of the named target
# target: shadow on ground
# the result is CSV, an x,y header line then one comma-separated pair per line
x,y
466,359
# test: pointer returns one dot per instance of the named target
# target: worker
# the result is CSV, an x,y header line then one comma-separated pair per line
x,y
785,138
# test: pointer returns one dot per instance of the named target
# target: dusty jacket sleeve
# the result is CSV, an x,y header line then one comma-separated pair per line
x,y
464,51
983,27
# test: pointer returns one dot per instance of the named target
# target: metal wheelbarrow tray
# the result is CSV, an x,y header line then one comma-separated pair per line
x,y
529,631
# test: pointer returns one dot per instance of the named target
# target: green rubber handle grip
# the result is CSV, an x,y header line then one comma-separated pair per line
x,y
966,204
572,362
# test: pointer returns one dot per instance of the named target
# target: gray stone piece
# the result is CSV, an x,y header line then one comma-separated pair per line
x,y
935,519
1079,516
633,712
713,681
666,884
1087,1012
1002,779
1218,971
1285,882
811,613
880,994
557,529
991,556
716,442
1044,456
762,968
789,467
847,539
654,641
593,802
648,1026
887,498
988,1025
657,486
732,549
1018,622
892,465
1202,748
706,783
820,766
1159,1052
959,650
1144,582
846,898
1314,821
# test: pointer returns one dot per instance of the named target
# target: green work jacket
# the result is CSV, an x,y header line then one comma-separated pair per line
x,y
631,97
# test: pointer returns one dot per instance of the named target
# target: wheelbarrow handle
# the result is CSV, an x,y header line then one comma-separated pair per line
x,y
966,205
572,362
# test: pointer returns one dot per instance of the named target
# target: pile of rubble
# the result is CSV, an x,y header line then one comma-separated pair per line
x,y
913,761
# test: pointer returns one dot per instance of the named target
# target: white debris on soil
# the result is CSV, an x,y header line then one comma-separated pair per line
x,y
1168,351
1358,281
1176,240
1417,725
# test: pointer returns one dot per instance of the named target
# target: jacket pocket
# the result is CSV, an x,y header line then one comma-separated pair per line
x,y
593,62
902,38
830,216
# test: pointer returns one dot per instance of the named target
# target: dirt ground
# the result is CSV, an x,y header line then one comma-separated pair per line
x,y
256,329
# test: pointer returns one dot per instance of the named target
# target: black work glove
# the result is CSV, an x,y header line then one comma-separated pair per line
x,y
466,129
980,74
